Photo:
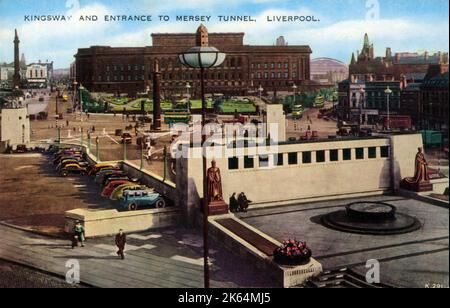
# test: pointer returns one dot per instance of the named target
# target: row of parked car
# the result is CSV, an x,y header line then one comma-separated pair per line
x,y
115,183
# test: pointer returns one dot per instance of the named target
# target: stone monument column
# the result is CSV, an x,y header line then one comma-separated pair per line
x,y
16,77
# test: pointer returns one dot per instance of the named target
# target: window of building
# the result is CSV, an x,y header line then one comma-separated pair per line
x,y
293,158
359,153
279,75
249,162
272,75
279,65
320,156
263,161
334,155
286,65
278,159
272,65
259,65
286,75
233,163
385,151
347,154
372,152
306,157
265,65
266,75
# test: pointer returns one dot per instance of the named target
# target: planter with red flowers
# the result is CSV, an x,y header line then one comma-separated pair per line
x,y
292,253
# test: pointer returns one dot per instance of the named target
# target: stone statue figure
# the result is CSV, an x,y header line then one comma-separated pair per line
x,y
214,183
421,179
421,170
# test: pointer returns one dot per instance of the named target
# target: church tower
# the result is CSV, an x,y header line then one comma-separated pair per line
x,y
16,77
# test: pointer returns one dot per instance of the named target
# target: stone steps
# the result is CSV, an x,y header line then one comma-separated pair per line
x,y
340,278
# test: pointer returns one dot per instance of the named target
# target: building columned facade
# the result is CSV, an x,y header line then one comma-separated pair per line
x,y
129,70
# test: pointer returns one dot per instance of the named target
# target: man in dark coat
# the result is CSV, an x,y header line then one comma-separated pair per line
x,y
121,240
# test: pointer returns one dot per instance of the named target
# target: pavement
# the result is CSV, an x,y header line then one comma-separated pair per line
x,y
408,260
165,258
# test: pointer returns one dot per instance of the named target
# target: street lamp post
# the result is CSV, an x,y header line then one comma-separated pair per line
x,y
260,90
97,143
361,102
81,88
188,96
203,57
74,94
388,92
294,88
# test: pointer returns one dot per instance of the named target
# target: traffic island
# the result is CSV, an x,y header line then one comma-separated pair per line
x,y
257,248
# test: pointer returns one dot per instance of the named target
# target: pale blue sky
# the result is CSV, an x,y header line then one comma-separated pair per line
x,y
404,25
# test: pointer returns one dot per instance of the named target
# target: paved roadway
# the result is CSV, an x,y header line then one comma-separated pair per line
x,y
165,258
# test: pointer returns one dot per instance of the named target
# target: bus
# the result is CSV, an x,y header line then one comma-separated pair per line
x,y
319,102
297,112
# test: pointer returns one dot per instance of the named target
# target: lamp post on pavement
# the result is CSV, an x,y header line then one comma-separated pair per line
x,y
388,92
203,57
361,104
81,88
74,94
188,96
294,88
97,143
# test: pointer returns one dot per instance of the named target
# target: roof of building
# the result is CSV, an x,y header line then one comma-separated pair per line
x,y
440,81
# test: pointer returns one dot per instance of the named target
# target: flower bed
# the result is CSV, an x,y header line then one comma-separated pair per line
x,y
292,253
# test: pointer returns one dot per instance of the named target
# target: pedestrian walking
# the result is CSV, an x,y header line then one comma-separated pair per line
x,y
78,235
121,240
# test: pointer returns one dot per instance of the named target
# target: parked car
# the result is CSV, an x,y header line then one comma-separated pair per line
x,y
72,161
106,173
21,148
98,167
134,200
115,178
103,177
108,189
126,138
120,190
57,160
73,169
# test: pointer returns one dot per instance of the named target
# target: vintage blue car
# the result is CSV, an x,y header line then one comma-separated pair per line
x,y
133,200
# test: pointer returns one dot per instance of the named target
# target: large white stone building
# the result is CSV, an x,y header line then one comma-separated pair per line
x,y
15,126
36,73
303,171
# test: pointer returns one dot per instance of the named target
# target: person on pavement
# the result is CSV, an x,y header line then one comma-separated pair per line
x,y
79,235
121,240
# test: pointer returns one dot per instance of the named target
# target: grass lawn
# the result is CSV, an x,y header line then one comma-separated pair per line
x,y
197,104
231,106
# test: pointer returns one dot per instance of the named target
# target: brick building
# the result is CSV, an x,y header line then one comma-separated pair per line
x,y
434,101
129,70
362,95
